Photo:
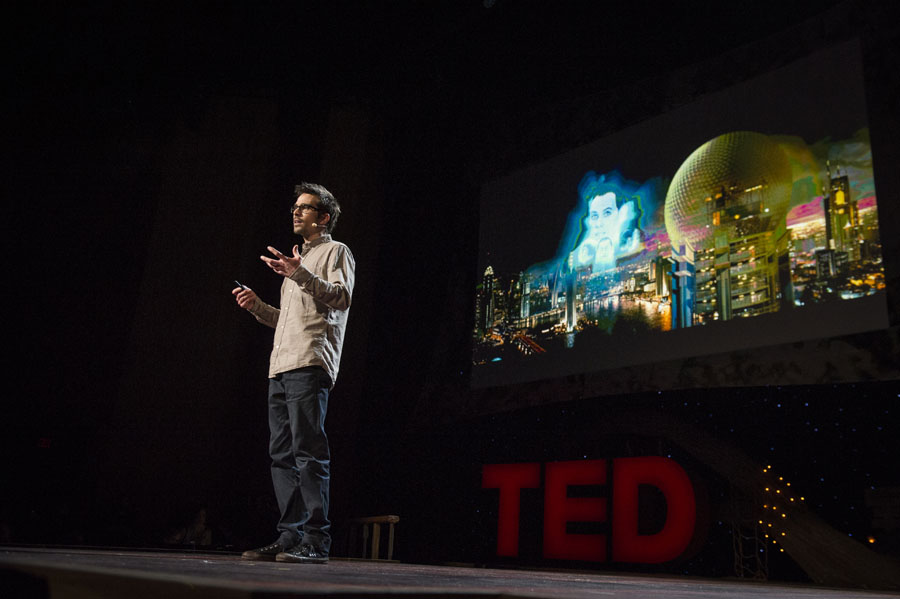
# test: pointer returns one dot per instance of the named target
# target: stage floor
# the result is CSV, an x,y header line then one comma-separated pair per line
x,y
102,573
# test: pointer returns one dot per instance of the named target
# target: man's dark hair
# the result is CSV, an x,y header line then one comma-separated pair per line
x,y
327,203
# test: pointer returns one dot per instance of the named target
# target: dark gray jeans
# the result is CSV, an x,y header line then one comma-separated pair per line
x,y
298,401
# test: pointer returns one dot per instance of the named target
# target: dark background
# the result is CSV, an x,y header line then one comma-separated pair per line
x,y
151,153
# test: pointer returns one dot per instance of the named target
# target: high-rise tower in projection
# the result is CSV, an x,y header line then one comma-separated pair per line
x,y
684,287
841,227
727,203
525,302
484,308
842,215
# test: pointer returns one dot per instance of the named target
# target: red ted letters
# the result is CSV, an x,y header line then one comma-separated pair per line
x,y
628,474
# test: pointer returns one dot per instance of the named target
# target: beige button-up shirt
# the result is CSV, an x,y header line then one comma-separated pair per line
x,y
315,301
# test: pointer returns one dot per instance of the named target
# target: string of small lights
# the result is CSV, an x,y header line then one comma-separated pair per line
x,y
781,497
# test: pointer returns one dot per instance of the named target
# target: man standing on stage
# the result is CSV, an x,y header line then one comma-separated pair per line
x,y
309,332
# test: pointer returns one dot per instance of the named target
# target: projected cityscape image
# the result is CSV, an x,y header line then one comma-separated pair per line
x,y
749,224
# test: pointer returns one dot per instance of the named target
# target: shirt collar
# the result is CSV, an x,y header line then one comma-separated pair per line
x,y
324,237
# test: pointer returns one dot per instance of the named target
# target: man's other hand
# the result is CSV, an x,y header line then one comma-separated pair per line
x,y
246,298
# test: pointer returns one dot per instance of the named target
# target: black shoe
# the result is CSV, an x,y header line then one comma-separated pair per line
x,y
264,554
303,554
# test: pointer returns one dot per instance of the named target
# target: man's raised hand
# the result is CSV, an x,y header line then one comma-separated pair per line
x,y
283,265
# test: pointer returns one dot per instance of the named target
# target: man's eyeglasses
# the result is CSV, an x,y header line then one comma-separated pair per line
x,y
303,208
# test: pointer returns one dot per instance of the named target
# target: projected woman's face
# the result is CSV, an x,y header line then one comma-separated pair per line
x,y
603,218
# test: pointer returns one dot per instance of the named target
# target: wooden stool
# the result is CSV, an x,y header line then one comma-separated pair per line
x,y
376,522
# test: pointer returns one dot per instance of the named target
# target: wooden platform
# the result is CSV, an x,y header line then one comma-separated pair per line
x,y
100,574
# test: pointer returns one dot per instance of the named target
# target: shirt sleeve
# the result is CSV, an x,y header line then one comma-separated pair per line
x,y
264,313
336,287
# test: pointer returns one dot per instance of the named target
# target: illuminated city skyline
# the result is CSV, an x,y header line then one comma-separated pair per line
x,y
822,245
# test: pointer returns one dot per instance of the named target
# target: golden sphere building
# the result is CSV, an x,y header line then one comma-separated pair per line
x,y
725,216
